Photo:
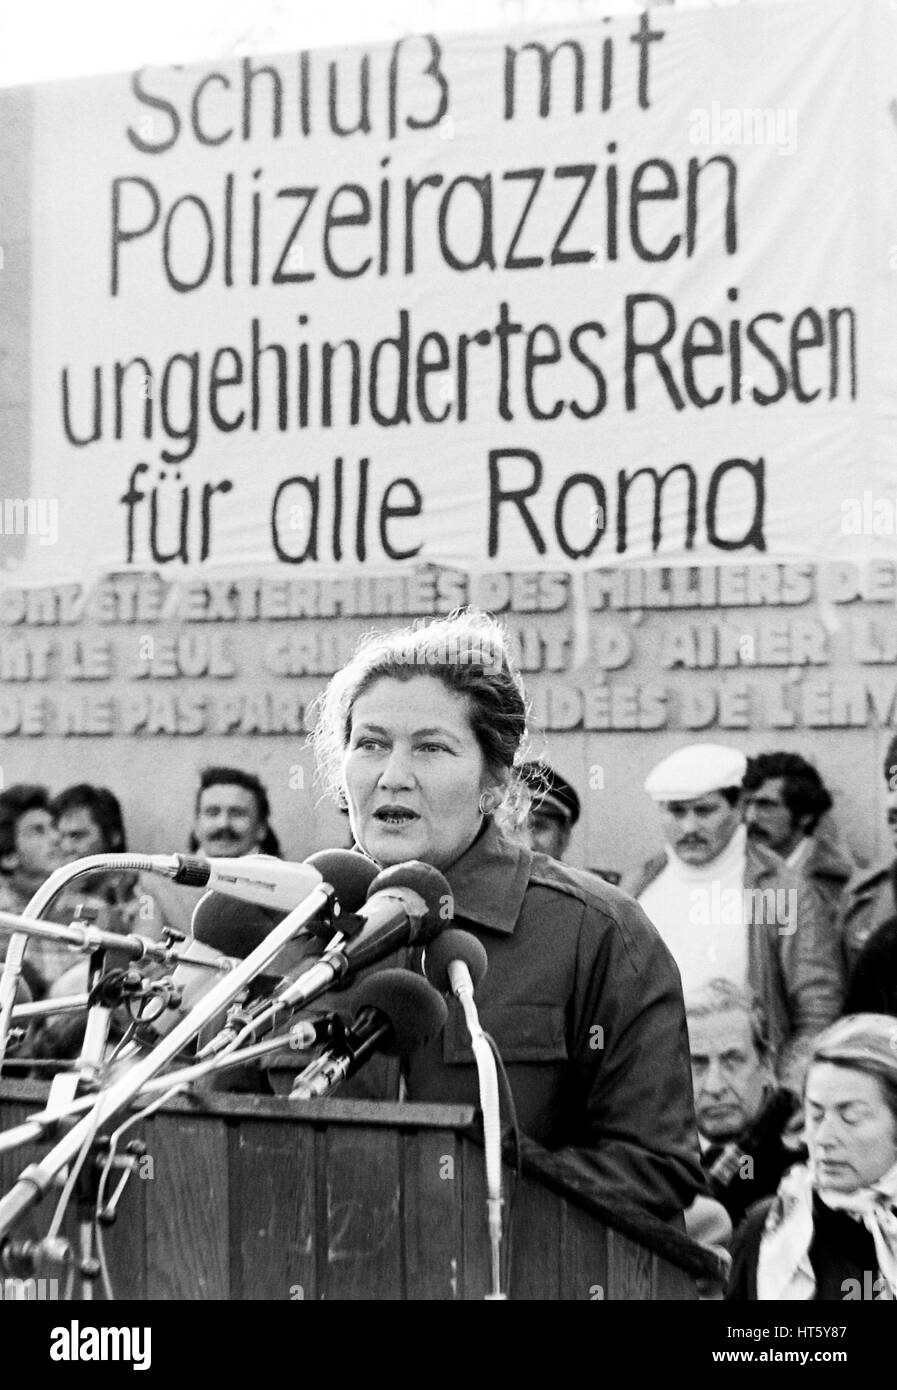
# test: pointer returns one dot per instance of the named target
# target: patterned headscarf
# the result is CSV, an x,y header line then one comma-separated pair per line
x,y
867,1042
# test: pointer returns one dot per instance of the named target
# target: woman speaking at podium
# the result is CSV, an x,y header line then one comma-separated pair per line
x,y
420,736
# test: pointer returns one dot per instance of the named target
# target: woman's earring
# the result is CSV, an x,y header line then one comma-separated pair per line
x,y
485,805
342,800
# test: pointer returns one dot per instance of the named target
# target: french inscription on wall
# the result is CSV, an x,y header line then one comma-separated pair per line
x,y
769,646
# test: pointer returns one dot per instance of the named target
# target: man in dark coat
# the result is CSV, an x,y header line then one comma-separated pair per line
x,y
872,988
741,1112
869,899
786,805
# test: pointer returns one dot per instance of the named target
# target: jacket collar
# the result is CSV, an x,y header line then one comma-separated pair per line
x,y
763,862
490,879
873,877
824,860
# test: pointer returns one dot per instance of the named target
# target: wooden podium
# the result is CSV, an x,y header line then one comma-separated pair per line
x,y
250,1197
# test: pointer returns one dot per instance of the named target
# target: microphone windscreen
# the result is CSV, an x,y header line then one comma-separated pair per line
x,y
422,878
416,1011
454,944
349,874
232,927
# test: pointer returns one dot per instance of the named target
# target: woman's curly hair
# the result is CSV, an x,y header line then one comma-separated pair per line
x,y
468,652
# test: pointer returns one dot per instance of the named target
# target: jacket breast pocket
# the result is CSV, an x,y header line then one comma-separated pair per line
x,y
522,1033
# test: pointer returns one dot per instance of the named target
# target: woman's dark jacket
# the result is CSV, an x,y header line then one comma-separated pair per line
x,y
842,1250
585,1004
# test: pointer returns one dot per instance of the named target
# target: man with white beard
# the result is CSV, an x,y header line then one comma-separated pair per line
x,y
729,909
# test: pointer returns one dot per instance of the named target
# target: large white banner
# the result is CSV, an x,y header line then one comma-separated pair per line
x,y
557,298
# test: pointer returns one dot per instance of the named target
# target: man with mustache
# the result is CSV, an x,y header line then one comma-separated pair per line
x,y
784,805
729,909
232,815
231,819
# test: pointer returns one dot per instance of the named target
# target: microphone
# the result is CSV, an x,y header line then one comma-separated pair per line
x,y
34,1181
256,878
232,927
455,963
349,873
398,1013
253,878
223,923
220,923
391,918
407,903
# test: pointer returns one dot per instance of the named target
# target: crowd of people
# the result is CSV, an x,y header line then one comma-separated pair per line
x,y
39,833
751,946
787,951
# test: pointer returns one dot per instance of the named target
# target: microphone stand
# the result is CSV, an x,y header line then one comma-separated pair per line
x,y
22,1014
59,879
299,1038
43,1008
33,1255
263,882
35,1179
83,935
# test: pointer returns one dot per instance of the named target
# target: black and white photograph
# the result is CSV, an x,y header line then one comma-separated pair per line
x,y
448,669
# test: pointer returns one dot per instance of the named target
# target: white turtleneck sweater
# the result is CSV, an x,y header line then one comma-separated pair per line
x,y
699,912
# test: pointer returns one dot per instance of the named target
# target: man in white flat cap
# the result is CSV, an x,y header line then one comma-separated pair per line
x,y
729,909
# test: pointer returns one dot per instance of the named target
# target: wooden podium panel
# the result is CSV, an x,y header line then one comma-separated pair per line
x,y
246,1197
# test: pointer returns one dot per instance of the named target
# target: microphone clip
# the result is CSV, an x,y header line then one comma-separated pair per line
x,y
113,987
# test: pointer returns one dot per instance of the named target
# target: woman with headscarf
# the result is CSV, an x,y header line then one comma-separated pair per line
x,y
830,1233
421,736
